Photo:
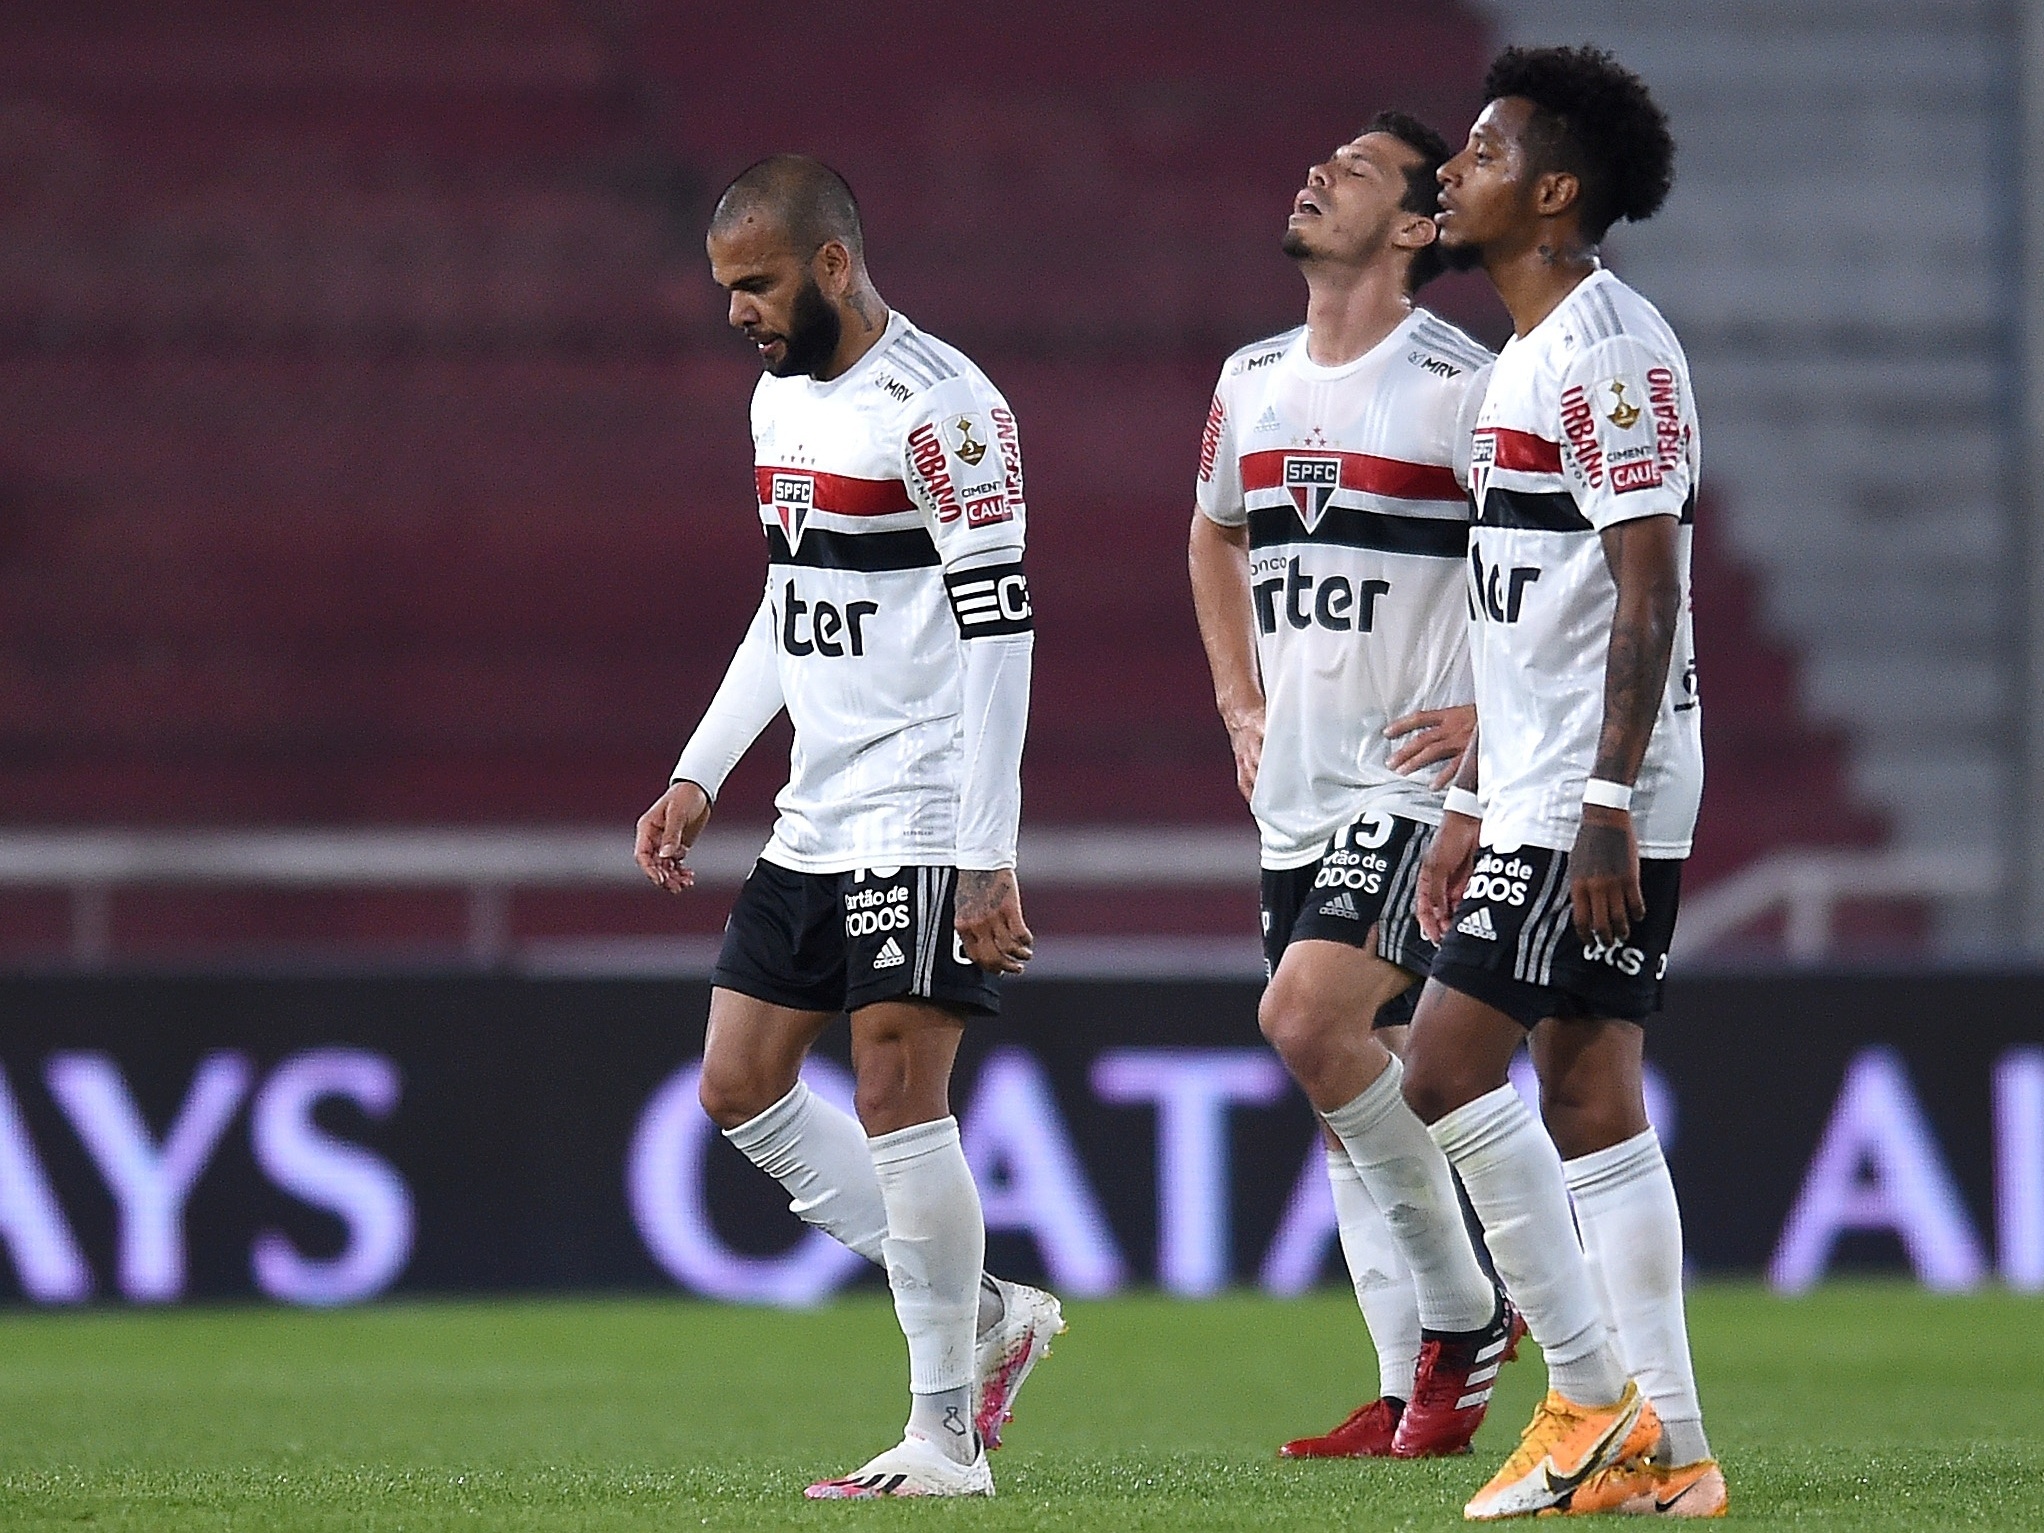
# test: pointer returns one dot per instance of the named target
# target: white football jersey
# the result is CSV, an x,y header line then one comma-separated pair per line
x,y
892,502
1350,481
1589,421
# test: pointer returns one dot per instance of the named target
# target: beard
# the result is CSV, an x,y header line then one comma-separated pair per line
x,y
1294,244
814,329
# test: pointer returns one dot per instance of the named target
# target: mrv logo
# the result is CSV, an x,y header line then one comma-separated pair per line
x,y
1311,482
1333,601
151,1175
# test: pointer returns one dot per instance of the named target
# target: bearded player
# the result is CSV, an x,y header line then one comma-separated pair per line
x,y
896,631
1553,885
1327,553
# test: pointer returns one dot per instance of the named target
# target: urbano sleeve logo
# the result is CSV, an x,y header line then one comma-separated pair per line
x,y
927,459
1009,440
1210,439
1579,427
1664,394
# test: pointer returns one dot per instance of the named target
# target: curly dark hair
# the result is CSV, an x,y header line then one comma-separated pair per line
x,y
1593,118
1422,185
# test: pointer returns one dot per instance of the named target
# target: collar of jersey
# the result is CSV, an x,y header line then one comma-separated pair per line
x,y
1313,371
1601,271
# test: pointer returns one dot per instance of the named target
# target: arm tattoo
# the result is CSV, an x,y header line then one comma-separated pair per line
x,y
979,892
1642,636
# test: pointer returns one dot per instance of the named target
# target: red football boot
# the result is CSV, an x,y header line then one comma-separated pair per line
x,y
1365,1434
1451,1387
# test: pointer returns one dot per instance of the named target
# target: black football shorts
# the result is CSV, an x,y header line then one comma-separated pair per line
x,y
1368,879
839,941
1512,942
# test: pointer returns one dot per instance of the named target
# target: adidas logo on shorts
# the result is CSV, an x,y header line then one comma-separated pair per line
x,y
889,956
1477,924
1342,905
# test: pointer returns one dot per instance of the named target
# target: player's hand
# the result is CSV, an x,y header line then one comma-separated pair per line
x,y
1604,876
1431,735
667,831
1245,737
1444,873
989,920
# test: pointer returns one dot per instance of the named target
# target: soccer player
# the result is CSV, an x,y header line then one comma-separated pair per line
x,y
1326,556
896,631
1553,883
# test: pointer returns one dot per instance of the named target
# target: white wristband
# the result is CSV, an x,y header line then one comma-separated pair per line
x,y
1462,801
1607,794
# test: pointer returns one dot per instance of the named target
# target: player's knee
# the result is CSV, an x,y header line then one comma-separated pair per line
x,y
1581,1125
1432,1088
1292,1026
1274,1018
884,1098
732,1095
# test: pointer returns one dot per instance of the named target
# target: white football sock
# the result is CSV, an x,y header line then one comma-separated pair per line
x,y
1410,1183
1632,1240
818,1152
936,1243
945,1419
1513,1177
1382,1281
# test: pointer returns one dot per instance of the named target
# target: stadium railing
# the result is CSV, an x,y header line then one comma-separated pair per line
x,y
491,863
1806,885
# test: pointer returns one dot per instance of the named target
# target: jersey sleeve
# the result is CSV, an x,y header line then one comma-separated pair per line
x,y
745,704
1626,422
962,462
1218,490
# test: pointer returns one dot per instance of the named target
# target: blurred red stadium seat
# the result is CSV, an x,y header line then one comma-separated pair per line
x,y
371,448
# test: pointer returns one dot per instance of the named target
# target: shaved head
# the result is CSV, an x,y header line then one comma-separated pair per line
x,y
802,198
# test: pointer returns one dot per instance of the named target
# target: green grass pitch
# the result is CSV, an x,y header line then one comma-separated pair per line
x,y
1863,1406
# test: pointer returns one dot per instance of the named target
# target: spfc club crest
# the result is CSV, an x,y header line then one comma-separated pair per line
x,y
1311,482
794,495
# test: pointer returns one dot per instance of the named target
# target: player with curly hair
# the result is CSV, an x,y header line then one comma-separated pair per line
x,y
1553,883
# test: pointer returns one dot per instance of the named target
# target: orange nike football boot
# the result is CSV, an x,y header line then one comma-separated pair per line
x,y
1641,1488
1562,1447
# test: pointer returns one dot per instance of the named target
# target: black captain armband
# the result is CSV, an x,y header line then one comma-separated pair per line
x,y
990,601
